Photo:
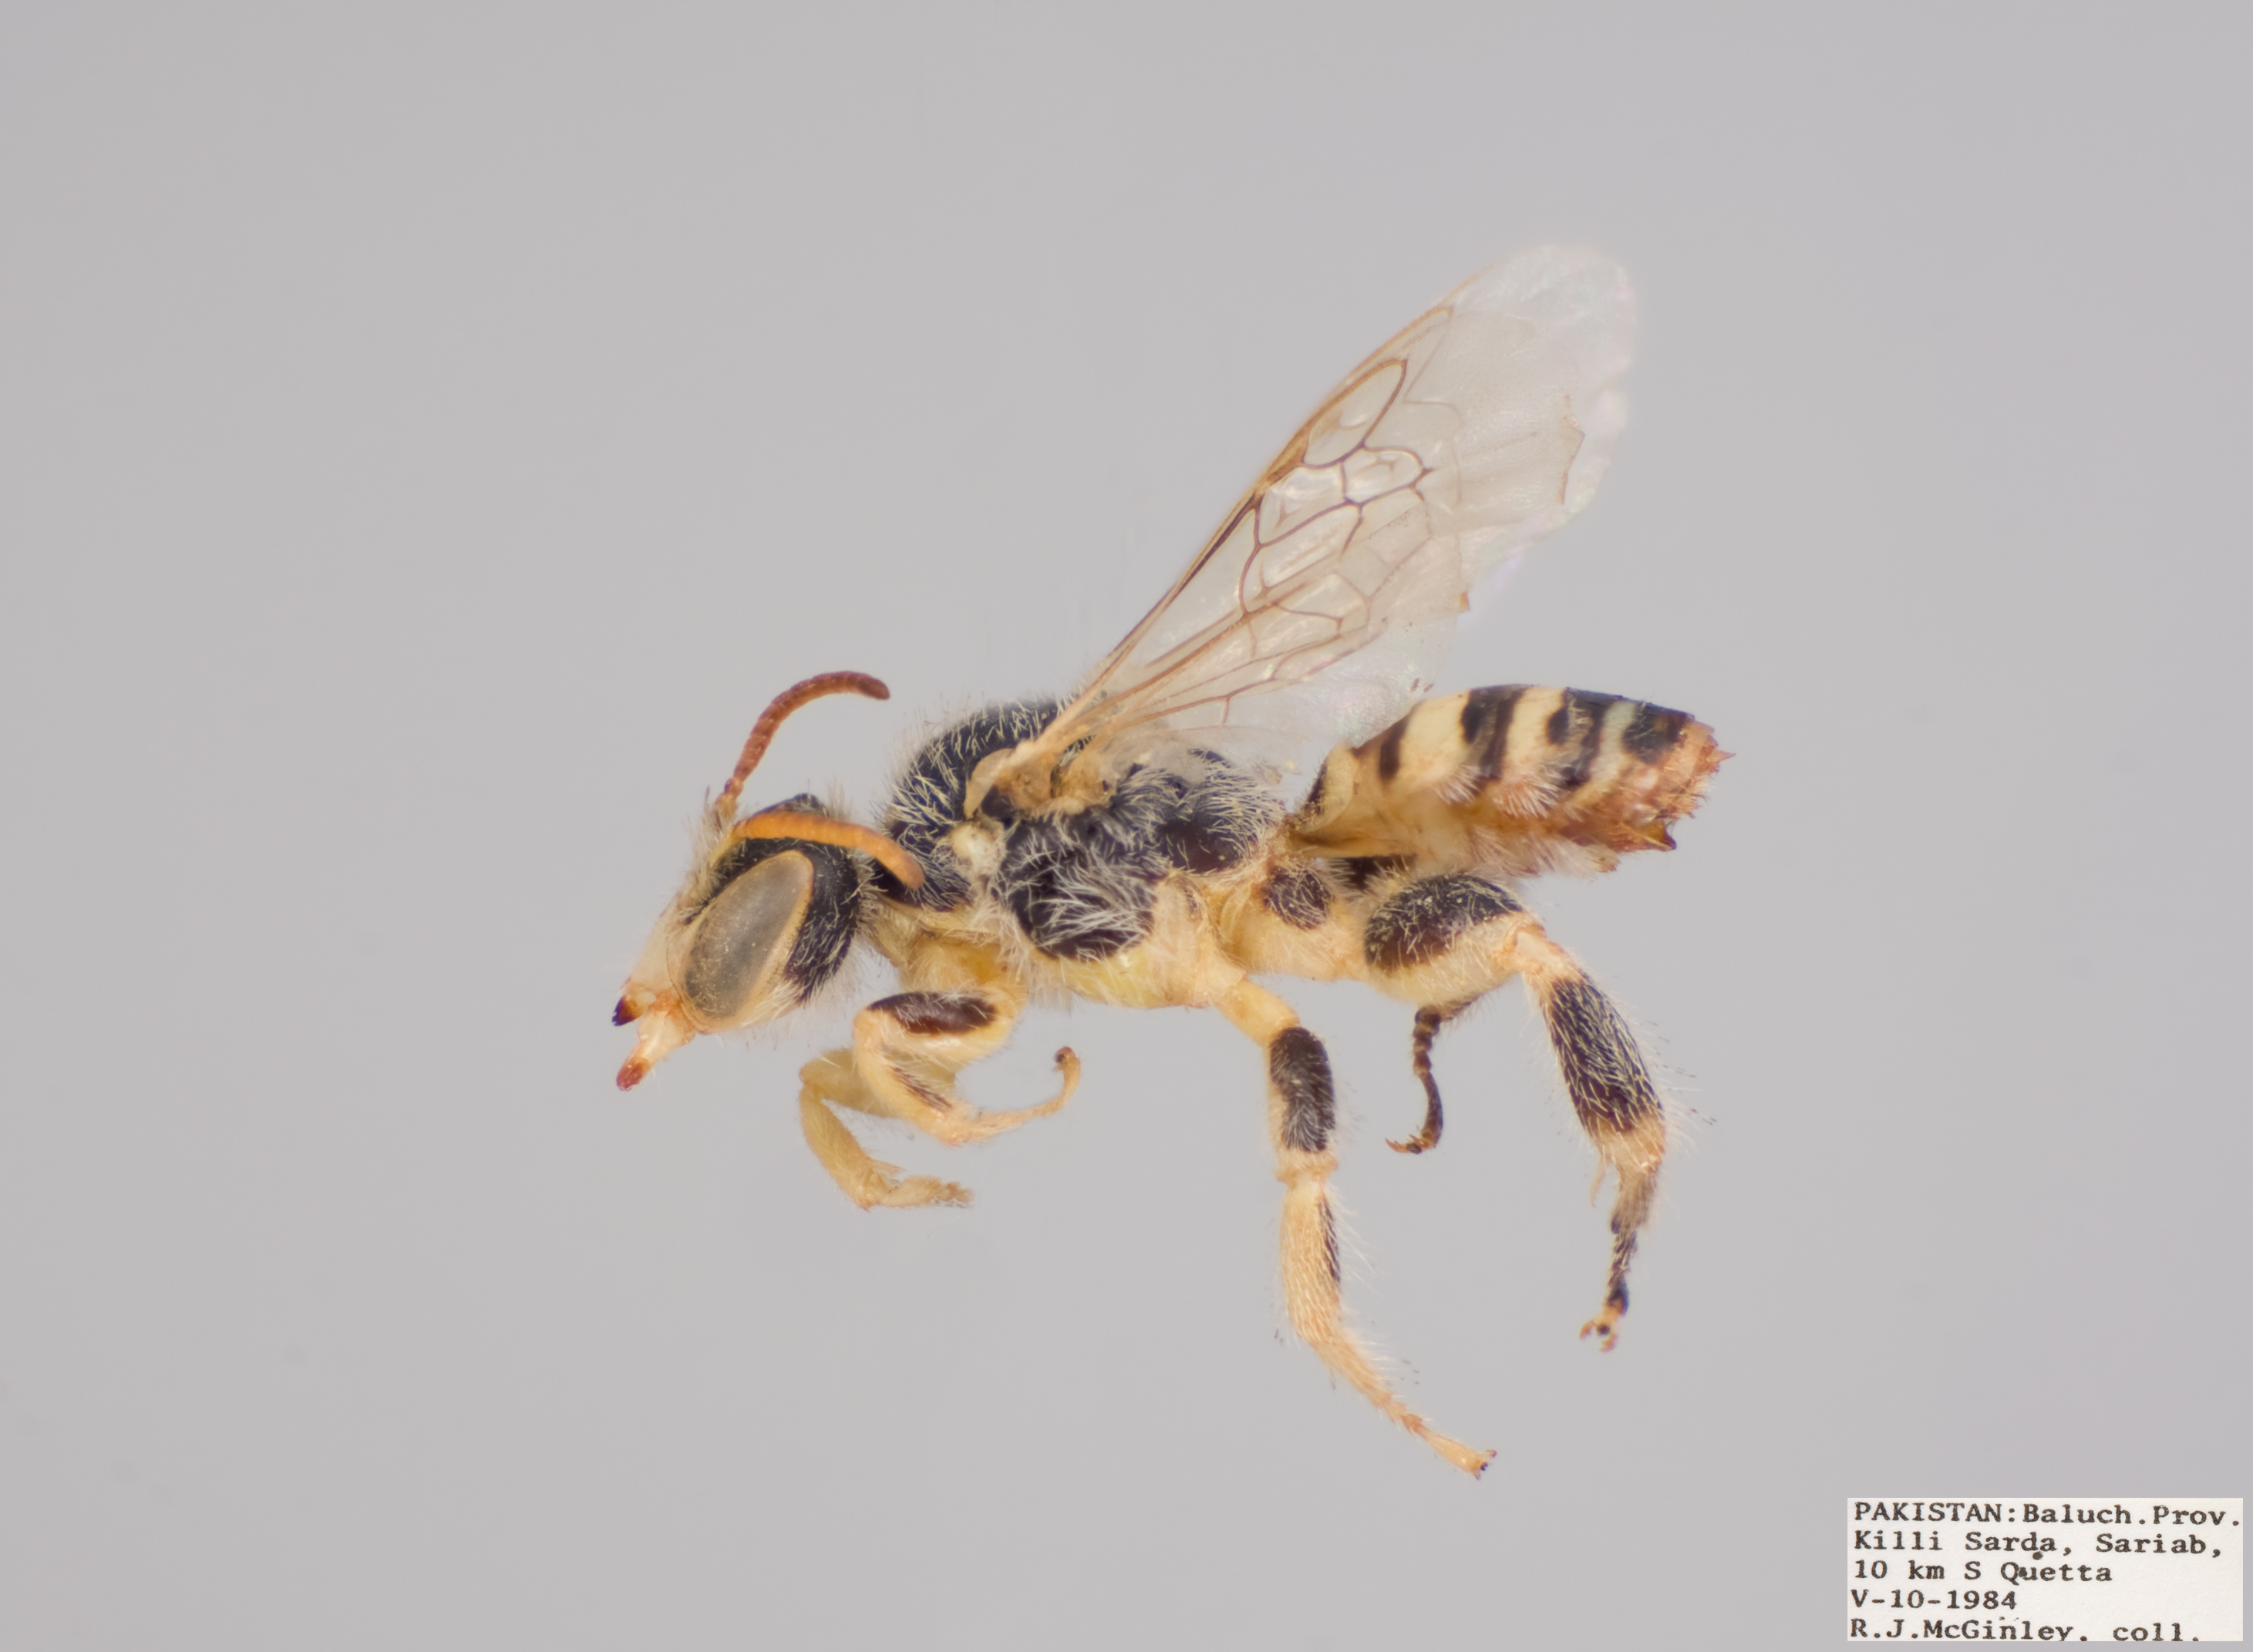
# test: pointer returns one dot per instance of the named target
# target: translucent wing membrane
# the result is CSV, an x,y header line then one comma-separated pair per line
x,y
1484,425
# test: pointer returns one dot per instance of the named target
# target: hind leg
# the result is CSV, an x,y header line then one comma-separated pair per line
x,y
1302,1118
1446,940
1618,1105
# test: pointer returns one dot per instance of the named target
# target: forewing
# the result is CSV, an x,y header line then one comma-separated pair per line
x,y
1327,596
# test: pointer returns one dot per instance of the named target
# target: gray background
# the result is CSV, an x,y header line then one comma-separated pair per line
x,y
431,434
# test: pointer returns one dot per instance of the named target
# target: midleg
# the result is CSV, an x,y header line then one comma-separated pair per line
x,y
1449,939
906,1051
1429,1019
1301,1120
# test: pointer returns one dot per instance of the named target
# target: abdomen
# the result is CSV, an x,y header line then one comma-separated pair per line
x,y
1515,780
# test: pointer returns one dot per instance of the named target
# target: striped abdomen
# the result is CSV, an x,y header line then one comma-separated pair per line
x,y
1518,780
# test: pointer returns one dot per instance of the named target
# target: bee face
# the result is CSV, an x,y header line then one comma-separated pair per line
x,y
760,927
729,961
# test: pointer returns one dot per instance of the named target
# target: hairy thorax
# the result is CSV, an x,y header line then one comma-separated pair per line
x,y
1106,895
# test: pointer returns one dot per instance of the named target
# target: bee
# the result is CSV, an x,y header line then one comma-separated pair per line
x,y
1130,843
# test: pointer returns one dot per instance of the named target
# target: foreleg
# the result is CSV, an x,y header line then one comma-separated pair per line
x,y
1301,1121
906,1051
831,1082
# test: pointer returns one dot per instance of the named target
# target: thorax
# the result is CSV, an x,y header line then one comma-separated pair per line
x,y
1113,897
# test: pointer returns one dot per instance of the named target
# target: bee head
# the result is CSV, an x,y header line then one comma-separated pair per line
x,y
767,914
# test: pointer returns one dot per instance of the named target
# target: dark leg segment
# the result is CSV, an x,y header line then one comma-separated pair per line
x,y
1619,1108
1299,1068
1429,1020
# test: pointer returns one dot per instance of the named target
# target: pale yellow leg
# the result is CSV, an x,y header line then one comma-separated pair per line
x,y
1299,1122
914,1076
866,1181
906,1052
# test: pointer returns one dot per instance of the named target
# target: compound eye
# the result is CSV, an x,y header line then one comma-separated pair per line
x,y
740,943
